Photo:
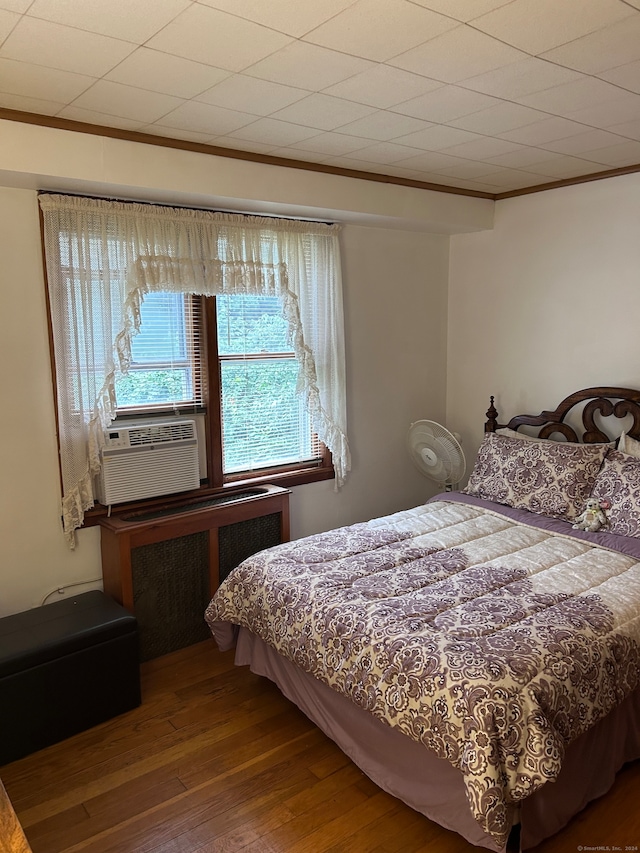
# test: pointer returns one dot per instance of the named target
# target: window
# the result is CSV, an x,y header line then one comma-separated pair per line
x,y
264,420
265,424
238,319
166,366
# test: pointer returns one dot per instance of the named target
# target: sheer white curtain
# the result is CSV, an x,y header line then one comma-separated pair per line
x,y
102,257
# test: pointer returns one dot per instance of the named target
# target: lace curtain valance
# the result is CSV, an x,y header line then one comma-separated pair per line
x,y
102,257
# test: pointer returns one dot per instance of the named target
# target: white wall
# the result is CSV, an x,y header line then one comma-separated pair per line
x,y
33,555
395,286
395,299
546,303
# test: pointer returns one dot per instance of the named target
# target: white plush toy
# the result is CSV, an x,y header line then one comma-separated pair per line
x,y
593,517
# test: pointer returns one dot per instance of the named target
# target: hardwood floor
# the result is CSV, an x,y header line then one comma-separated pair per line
x,y
215,759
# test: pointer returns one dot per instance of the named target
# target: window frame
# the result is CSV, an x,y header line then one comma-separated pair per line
x,y
216,482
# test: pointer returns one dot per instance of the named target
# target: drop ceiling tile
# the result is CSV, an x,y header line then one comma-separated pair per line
x,y
64,48
499,119
100,119
467,169
382,86
456,55
436,137
505,180
384,152
159,129
205,118
379,29
410,174
253,95
23,78
570,97
383,125
162,72
462,10
608,113
430,161
294,19
610,47
629,129
323,112
333,144
126,101
517,79
308,66
353,165
622,154
445,104
18,6
132,21
481,148
535,26
523,157
563,167
583,142
543,131
627,76
8,20
30,105
272,131
216,38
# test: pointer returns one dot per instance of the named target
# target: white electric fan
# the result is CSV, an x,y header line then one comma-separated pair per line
x,y
436,453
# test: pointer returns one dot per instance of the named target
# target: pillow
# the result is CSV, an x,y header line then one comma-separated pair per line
x,y
629,445
551,478
513,433
619,483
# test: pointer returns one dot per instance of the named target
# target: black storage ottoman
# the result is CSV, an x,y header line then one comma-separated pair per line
x,y
65,667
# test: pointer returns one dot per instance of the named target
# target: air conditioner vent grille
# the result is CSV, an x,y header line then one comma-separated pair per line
x,y
156,433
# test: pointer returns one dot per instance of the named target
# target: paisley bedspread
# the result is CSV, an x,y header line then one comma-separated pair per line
x,y
492,642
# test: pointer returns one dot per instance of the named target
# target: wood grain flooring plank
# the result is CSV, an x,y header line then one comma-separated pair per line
x,y
320,836
216,760
213,799
45,836
325,789
179,745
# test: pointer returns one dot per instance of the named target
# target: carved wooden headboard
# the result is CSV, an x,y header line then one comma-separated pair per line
x,y
605,401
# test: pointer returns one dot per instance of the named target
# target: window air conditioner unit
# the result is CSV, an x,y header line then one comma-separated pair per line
x,y
148,460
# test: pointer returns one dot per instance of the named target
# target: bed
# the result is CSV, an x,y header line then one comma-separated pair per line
x,y
477,656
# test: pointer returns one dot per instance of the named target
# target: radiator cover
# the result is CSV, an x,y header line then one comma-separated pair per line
x,y
165,565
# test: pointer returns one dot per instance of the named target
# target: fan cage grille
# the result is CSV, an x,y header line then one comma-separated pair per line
x,y
436,452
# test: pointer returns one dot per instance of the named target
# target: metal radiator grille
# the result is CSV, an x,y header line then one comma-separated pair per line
x,y
244,538
171,593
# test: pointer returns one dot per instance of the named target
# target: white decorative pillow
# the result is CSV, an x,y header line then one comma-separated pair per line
x,y
629,445
551,478
619,483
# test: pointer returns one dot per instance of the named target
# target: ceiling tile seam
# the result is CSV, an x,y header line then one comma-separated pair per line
x,y
376,177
